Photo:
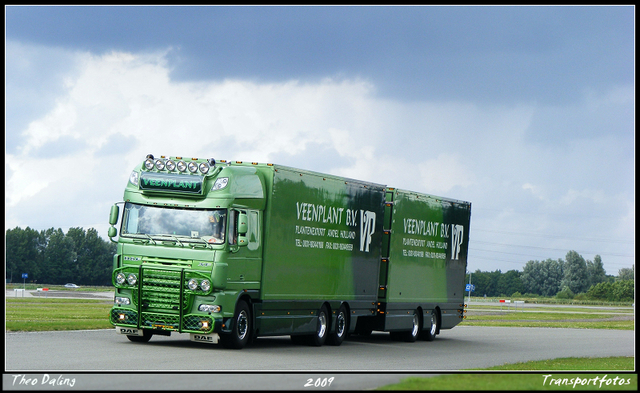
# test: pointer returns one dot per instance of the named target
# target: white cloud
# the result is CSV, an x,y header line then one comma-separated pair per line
x,y
74,160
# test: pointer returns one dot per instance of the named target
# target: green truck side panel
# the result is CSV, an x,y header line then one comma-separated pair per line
x,y
427,254
427,258
323,240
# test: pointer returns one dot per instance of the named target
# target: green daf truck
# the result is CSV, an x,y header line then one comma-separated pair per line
x,y
230,251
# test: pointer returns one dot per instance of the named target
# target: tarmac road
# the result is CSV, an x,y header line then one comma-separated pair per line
x,y
276,363
108,361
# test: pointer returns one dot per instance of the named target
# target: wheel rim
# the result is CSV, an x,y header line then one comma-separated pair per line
x,y
242,325
434,325
341,324
322,324
416,325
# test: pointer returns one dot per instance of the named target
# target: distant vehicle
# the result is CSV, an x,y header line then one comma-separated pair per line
x,y
70,285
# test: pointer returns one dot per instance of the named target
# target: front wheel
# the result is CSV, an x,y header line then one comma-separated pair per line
x,y
141,339
241,328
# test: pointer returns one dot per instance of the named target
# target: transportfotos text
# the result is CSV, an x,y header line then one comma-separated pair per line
x,y
574,382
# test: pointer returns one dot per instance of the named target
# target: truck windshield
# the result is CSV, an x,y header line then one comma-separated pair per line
x,y
164,221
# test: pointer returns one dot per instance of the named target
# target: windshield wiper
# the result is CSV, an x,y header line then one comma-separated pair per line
x,y
146,237
173,240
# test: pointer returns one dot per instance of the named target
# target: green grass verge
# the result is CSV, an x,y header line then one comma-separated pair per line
x,y
535,378
37,314
577,318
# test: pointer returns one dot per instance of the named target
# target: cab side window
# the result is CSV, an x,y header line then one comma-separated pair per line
x,y
233,227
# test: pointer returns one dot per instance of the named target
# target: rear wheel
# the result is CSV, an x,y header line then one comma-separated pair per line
x,y
322,328
416,327
411,335
341,327
430,333
241,328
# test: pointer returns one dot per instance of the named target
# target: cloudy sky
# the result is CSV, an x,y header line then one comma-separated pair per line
x,y
527,112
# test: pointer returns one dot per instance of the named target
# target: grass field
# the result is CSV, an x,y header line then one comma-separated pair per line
x,y
492,381
565,317
42,314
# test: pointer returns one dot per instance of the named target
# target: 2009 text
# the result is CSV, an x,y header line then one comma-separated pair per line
x,y
318,382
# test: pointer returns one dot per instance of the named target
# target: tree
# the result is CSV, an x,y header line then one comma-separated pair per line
x,y
626,273
543,278
595,271
59,258
509,283
619,291
21,254
623,290
601,291
486,283
575,277
51,257
530,277
96,259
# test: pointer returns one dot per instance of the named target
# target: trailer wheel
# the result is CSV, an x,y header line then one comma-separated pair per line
x,y
141,339
322,328
241,329
411,335
416,327
430,333
341,328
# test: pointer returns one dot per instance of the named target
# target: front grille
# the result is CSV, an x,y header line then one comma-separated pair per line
x,y
162,297
161,289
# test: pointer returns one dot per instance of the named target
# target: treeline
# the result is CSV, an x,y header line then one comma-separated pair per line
x,y
573,277
53,257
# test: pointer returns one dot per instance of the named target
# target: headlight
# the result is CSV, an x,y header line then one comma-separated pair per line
x,y
148,163
181,166
132,279
204,168
220,183
193,284
193,167
120,278
159,164
122,301
205,285
171,166
133,178
208,308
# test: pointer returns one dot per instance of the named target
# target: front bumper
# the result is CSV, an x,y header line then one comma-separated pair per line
x,y
190,323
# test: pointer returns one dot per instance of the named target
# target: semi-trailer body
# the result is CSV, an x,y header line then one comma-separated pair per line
x,y
229,251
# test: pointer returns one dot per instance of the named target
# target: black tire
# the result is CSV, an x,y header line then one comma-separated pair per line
x,y
341,328
240,328
141,339
429,334
322,328
411,335
298,339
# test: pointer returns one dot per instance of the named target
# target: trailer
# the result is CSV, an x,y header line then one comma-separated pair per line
x,y
230,251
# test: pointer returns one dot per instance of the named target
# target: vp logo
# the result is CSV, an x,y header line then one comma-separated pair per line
x,y
456,240
367,228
